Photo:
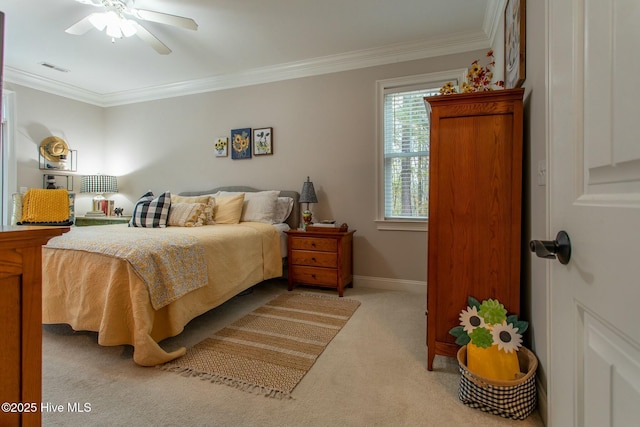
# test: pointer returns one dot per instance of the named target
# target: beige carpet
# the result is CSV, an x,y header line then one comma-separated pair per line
x,y
372,374
271,349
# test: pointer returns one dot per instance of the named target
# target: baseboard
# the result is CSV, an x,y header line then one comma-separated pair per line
x,y
390,284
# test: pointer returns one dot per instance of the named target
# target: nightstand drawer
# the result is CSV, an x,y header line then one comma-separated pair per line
x,y
314,244
315,259
314,275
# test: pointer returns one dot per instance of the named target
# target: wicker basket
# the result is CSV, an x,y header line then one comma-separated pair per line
x,y
510,399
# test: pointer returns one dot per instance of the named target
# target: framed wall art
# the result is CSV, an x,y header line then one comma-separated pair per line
x,y
514,43
262,141
221,146
241,143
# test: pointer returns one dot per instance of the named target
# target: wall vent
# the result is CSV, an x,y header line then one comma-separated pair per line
x,y
54,67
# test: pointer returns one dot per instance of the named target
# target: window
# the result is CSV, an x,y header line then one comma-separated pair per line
x,y
403,139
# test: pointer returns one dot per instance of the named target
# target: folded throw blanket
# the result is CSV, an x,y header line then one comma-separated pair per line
x,y
45,206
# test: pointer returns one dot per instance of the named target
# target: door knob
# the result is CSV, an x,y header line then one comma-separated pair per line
x,y
552,249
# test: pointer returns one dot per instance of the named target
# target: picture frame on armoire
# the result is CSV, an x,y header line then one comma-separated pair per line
x,y
514,43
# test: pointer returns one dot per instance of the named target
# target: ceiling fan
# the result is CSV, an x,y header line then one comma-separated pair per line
x,y
113,19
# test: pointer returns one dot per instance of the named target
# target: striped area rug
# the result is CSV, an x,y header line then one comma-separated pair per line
x,y
272,348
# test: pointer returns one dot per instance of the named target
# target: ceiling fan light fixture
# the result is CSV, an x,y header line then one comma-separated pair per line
x,y
98,20
128,27
116,26
114,31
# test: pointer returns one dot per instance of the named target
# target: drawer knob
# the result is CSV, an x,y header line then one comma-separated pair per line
x,y
313,244
313,259
313,275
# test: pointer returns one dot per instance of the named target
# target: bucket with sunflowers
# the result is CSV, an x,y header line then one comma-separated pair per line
x,y
498,373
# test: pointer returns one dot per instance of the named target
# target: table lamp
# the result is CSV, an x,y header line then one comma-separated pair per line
x,y
98,184
307,195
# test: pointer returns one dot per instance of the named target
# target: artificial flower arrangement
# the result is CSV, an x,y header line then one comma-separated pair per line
x,y
492,339
478,79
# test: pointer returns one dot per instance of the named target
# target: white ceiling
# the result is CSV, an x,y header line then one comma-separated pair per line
x,y
238,42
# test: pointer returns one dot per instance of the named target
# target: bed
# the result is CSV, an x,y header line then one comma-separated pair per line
x,y
111,294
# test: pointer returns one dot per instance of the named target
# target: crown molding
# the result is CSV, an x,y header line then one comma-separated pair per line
x,y
422,49
33,81
494,14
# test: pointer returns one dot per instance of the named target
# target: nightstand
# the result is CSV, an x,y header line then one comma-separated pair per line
x,y
101,220
319,258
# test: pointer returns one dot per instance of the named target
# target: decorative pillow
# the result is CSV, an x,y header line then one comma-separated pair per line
x,y
284,206
207,199
228,210
151,213
258,206
186,214
188,199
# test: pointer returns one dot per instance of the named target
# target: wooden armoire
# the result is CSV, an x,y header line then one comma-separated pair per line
x,y
475,204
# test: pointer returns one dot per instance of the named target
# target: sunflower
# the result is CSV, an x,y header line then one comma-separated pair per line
x,y
475,69
470,319
240,142
506,337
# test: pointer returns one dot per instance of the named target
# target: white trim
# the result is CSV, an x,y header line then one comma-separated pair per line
x,y
397,225
390,284
494,14
421,49
13,75
9,178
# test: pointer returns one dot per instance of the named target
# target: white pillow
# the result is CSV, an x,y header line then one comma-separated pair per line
x,y
258,207
284,206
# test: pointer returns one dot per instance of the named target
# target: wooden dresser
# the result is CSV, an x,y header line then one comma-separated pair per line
x,y
321,258
475,203
21,322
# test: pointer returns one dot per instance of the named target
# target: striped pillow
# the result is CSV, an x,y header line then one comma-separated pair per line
x,y
151,212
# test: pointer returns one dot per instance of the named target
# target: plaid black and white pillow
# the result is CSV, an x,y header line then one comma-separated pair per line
x,y
151,212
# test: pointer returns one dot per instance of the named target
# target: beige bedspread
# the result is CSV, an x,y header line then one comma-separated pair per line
x,y
171,264
100,293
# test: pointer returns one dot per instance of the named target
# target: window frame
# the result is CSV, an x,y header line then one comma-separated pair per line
x,y
407,83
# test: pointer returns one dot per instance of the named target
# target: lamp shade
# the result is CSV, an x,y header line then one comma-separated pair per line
x,y
99,184
308,193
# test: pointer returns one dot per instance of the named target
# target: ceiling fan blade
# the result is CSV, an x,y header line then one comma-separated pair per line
x,y
80,27
96,3
151,40
165,18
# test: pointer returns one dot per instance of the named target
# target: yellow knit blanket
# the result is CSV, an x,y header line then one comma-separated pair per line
x,y
41,205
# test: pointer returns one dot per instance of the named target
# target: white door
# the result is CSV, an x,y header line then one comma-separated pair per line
x,y
594,185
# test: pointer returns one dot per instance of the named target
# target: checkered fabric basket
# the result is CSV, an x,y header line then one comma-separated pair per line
x,y
510,399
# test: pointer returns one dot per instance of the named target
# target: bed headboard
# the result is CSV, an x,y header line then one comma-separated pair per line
x,y
294,217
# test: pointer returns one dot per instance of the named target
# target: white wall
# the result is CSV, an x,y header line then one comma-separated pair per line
x,y
40,115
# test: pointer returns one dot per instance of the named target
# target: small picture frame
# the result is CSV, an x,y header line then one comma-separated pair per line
x,y
514,43
262,141
221,146
241,143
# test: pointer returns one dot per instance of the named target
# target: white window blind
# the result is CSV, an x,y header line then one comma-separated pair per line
x,y
406,151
